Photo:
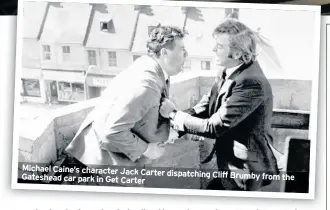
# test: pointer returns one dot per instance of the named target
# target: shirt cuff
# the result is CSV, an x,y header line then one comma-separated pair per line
x,y
197,110
178,121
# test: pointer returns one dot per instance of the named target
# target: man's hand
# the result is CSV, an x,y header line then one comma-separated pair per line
x,y
166,107
241,183
154,151
171,138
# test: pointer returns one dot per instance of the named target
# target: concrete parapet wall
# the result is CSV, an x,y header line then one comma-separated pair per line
x,y
44,139
55,133
39,145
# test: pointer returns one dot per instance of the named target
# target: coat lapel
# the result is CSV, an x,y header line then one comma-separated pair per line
x,y
227,86
159,71
222,92
213,97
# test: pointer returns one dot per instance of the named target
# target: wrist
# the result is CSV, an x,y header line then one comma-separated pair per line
x,y
146,152
172,114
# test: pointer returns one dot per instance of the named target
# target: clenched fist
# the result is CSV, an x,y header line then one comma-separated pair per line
x,y
154,151
166,107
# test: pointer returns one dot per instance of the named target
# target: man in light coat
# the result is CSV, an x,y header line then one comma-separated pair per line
x,y
125,128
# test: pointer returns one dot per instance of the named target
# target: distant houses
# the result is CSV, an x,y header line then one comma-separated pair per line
x,y
149,18
63,51
61,41
108,43
32,85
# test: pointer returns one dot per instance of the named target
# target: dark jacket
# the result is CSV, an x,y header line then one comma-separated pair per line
x,y
238,116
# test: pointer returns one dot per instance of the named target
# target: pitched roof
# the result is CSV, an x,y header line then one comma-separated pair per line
x,y
123,17
200,24
164,15
285,31
66,23
33,15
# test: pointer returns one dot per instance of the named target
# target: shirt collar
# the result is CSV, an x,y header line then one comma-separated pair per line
x,y
231,70
165,74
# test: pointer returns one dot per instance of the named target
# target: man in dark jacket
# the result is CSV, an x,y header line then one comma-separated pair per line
x,y
236,112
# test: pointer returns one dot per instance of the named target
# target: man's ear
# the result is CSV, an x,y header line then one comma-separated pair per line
x,y
163,51
236,54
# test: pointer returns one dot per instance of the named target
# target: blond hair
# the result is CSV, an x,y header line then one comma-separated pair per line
x,y
241,38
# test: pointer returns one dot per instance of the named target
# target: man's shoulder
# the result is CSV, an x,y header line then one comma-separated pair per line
x,y
252,74
145,74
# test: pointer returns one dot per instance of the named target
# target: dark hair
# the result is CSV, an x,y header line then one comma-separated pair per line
x,y
163,36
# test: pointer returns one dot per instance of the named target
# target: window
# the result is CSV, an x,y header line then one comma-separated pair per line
x,y
106,25
78,92
46,53
187,64
31,87
136,57
66,53
91,57
112,58
64,91
206,65
71,91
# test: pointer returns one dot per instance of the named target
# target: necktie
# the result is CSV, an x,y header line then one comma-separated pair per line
x,y
216,91
222,79
166,91
168,83
165,94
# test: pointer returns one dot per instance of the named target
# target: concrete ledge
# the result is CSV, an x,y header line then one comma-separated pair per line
x,y
40,147
290,119
52,134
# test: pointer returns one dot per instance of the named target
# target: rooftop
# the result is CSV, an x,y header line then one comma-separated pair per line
x,y
151,16
200,24
123,17
34,13
285,31
70,21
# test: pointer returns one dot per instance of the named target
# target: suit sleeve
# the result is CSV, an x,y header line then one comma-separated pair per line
x,y
200,109
245,98
126,112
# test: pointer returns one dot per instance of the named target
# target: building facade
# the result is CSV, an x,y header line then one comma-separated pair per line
x,y
32,84
108,44
71,51
62,51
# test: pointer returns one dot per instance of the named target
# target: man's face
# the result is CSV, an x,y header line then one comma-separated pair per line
x,y
222,51
175,58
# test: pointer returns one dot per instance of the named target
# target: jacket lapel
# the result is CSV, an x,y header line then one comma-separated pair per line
x,y
222,92
227,85
160,72
213,97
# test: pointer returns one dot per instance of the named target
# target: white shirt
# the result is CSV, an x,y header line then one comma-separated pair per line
x,y
231,70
